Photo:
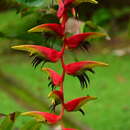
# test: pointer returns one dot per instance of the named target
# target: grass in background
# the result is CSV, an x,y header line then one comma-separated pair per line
x,y
111,85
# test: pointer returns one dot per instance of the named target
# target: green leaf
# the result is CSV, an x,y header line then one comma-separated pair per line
x,y
8,121
32,125
35,3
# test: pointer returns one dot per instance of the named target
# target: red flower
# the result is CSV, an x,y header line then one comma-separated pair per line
x,y
66,4
80,39
43,117
40,53
76,104
50,27
62,14
53,76
78,69
61,9
56,99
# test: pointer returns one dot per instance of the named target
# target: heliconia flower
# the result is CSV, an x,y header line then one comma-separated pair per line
x,y
78,69
56,99
80,39
54,77
64,19
43,116
76,104
50,27
61,8
40,53
66,4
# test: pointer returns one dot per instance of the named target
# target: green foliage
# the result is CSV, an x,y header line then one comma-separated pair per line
x,y
31,125
35,3
102,16
113,90
8,121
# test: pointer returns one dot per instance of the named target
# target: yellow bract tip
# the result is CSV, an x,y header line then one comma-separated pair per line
x,y
45,69
36,29
103,64
92,98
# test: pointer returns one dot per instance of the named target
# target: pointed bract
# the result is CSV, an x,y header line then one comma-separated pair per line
x,y
66,4
61,9
76,104
78,39
53,76
40,53
43,116
84,1
50,27
56,99
78,69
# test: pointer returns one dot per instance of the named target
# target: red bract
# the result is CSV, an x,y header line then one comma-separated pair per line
x,y
78,69
61,9
40,53
50,27
56,97
66,4
53,76
43,117
79,39
76,104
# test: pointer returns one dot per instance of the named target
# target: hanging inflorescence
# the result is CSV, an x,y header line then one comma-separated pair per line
x,y
42,54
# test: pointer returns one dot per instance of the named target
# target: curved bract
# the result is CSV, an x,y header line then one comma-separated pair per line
x,y
43,116
50,27
56,97
79,39
53,76
40,53
78,69
76,104
76,2
61,9
65,4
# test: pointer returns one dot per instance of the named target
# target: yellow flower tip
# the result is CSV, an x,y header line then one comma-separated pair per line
x,y
18,47
13,47
44,69
21,47
100,34
94,1
102,64
40,28
32,30
34,114
50,94
35,29
93,98
27,113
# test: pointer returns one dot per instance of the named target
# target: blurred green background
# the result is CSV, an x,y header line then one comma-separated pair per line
x,y
24,88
